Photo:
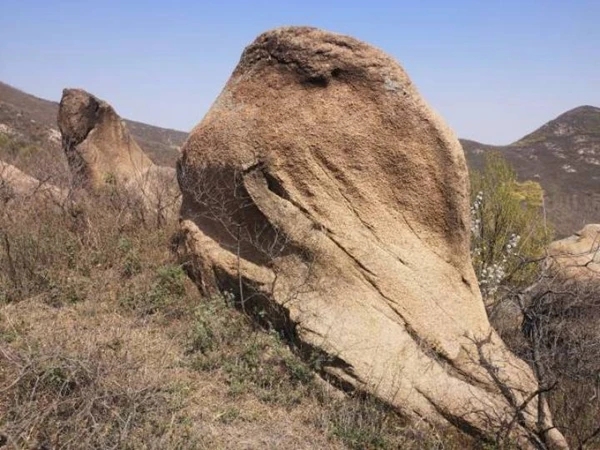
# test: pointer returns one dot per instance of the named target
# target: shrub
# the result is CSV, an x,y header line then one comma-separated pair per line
x,y
563,343
509,230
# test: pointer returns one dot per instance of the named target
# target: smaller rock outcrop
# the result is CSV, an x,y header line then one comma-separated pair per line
x,y
101,152
96,142
17,185
577,257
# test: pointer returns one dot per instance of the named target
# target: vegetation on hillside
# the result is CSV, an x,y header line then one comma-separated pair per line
x,y
548,321
105,343
563,156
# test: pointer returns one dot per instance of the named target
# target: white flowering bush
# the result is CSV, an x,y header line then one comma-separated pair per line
x,y
508,230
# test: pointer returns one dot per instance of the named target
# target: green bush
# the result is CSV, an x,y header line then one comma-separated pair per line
x,y
509,229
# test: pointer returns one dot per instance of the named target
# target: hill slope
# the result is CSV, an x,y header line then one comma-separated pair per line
x,y
564,157
35,118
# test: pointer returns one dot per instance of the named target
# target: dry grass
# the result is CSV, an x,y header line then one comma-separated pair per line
x,y
105,343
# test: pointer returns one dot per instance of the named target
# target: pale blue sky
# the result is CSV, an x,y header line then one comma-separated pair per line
x,y
495,70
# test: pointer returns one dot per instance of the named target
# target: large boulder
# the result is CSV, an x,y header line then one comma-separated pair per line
x,y
101,151
323,192
577,257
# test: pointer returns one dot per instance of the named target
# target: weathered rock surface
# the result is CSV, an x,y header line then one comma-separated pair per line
x,y
322,191
577,257
16,185
100,151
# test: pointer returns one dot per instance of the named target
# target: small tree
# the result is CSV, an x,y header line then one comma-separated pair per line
x,y
509,230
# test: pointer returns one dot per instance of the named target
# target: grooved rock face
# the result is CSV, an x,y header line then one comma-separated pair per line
x,y
323,192
578,257
100,151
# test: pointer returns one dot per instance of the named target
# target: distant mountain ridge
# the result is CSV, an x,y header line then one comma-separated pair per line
x,y
563,155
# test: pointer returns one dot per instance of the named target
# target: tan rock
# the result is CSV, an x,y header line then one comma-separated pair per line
x,y
16,185
101,151
326,195
577,257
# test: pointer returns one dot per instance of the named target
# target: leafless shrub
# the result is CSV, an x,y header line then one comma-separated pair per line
x,y
554,326
561,327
